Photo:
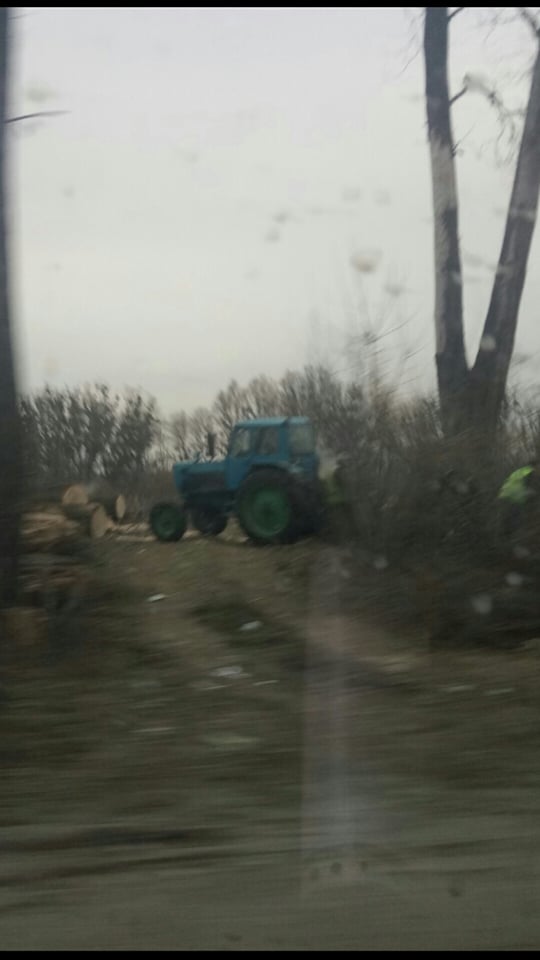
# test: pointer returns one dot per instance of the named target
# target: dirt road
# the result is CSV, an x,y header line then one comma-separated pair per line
x,y
220,754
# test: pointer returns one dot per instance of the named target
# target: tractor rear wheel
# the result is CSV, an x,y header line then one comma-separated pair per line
x,y
208,522
168,522
267,507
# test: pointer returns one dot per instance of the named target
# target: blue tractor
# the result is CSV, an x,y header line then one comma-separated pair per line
x,y
268,481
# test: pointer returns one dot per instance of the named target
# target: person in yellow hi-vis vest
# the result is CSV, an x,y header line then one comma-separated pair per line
x,y
516,495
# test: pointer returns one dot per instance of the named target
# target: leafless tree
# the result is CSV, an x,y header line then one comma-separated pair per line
x,y
180,437
262,397
201,423
71,435
473,396
229,407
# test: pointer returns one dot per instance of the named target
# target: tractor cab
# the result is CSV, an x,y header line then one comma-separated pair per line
x,y
281,442
268,481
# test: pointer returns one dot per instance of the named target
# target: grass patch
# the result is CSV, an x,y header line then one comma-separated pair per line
x,y
230,616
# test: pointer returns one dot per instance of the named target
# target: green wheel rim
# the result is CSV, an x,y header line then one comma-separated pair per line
x,y
167,521
267,512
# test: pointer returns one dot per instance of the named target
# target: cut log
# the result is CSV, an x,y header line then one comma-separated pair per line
x,y
114,505
76,494
91,517
50,533
81,494
53,515
120,507
101,491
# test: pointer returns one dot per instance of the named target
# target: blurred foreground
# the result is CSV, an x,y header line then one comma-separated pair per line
x,y
218,750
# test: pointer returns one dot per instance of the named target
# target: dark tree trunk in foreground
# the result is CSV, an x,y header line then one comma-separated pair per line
x,y
490,371
452,371
9,430
474,398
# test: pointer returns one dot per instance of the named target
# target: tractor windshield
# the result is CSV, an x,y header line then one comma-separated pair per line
x,y
301,439
241,443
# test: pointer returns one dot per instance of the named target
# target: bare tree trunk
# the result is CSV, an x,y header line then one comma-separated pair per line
x,y
452,370
9,428
490,372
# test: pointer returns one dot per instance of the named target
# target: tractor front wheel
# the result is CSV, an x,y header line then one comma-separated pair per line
x,y
168,522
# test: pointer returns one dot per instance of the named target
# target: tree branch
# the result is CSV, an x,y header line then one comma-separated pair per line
x,y
531,20
457,96
41,113
507,118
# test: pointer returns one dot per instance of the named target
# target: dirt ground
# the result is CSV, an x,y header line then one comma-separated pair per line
x,y
222,751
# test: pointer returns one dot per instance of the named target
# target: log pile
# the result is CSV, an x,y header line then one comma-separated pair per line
x,y
61,516
96,492
57,531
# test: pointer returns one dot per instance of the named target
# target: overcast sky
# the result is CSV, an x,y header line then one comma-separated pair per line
x,y
223,178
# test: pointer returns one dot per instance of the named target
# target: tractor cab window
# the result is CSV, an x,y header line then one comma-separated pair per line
x,y
268,442
301,440
241,443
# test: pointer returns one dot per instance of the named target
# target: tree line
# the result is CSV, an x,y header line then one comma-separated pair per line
x,y
75,434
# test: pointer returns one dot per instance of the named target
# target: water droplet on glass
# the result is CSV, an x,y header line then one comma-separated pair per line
x,y
482,604
514,579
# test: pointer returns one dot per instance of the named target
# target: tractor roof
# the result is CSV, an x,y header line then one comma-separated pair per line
x,y
273,422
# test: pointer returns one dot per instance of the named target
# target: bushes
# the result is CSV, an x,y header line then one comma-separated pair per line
x,y
73,435
412,494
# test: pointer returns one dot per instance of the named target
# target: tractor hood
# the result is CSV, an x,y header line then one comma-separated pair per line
x,y
188,471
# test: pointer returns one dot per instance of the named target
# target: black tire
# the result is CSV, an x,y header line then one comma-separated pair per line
x,y
208,522
312,525
313,515
267,507
168,522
